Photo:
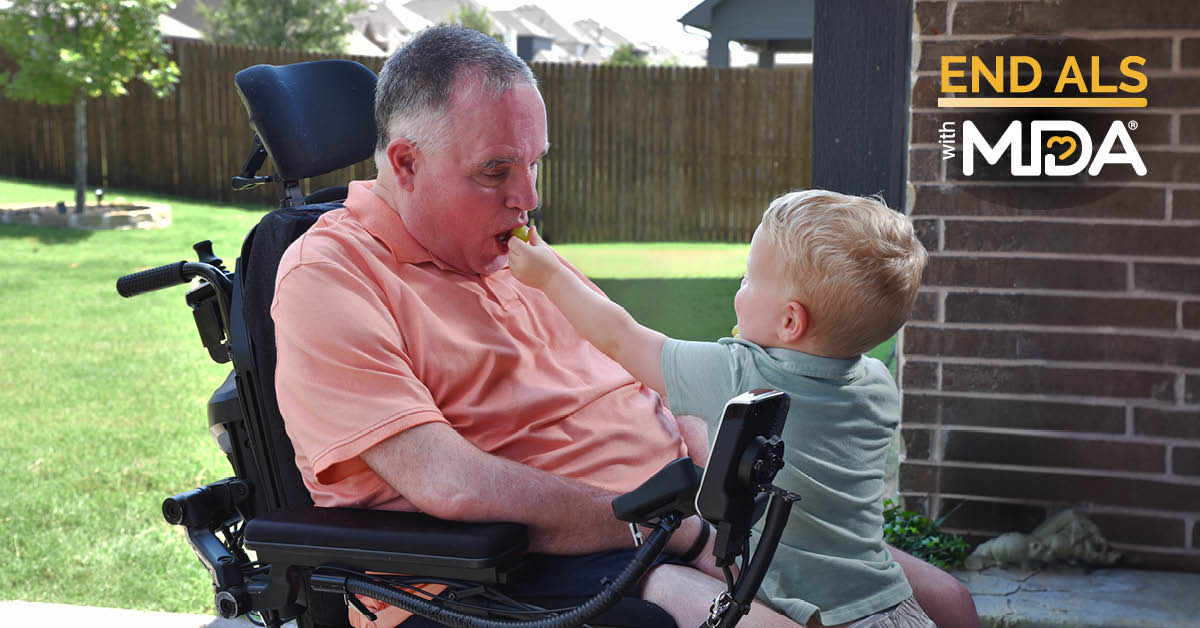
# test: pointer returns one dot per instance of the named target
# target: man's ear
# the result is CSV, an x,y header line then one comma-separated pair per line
x,y
795,323
401,158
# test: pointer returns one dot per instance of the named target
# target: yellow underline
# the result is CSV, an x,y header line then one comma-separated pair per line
x,y
1042,103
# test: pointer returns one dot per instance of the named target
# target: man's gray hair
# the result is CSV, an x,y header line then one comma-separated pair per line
x,y
417,81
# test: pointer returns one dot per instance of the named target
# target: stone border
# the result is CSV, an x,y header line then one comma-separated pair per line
x,y
108,216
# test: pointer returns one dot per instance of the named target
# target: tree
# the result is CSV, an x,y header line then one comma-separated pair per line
x,y
475,19
313,25
67,51
626,54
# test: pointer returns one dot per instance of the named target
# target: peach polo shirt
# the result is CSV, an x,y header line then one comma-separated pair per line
x,y
376,336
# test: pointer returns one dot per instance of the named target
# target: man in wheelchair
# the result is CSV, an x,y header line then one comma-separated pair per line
x,y
415,373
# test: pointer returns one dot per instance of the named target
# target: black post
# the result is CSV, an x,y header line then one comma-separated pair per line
x,y
861,88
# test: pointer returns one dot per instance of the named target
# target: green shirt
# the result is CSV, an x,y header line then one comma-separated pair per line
x,y
842,416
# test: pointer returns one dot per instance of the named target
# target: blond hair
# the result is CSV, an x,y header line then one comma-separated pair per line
x,y
853,263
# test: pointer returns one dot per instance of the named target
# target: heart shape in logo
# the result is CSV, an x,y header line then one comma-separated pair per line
x,y
1062,139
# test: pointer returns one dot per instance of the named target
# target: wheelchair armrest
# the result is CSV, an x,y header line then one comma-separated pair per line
x,y
386,541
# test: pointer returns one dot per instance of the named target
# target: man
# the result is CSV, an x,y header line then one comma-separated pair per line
x,y
415,372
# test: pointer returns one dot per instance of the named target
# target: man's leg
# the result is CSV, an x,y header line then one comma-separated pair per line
x,y
941,595
686,594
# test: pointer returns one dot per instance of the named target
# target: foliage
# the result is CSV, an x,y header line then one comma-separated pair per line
x,y
626,54
314,25
67,51
67,48
475,19
922,537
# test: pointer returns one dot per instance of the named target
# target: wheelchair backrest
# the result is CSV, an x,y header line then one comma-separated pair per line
x,y
310,118
252,339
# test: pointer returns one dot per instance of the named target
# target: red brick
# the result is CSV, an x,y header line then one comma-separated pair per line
x,y
918,478
997,517
1186,461
1140,529
1078,238
1191,315
1066,488
1161,166
917,444
1184,278
926,90
926,128
1063,453
924,164
919,374
1013,344
925,309
916,503
1186,166
1142,558
1189,129
931,17
1173,91
1167,423
1185,205
927,232
1191,52
992,272
1103,202
981,411
1041,380
1049,52
1003,18
1152,129
1031,309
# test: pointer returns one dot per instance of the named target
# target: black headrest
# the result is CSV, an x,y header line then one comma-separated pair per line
x,y
312,117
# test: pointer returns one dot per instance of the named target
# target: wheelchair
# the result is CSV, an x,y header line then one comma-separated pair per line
x,y
273,555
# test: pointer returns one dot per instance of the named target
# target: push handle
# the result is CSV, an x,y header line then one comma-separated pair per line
x,y
158,278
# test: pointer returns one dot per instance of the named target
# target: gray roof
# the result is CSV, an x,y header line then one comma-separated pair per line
x,y
439,11
701,15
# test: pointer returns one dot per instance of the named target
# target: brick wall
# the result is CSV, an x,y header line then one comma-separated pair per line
x,y
1053,359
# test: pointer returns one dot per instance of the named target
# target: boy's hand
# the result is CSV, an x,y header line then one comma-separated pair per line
x,y
534,264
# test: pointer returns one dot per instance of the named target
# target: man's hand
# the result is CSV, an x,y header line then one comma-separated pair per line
x,y
533,263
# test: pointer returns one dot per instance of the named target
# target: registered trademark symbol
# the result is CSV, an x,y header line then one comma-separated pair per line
x,y
1133,125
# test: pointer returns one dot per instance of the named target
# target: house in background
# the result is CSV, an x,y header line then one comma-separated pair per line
x,y
763,26
528,40
385,25
529,30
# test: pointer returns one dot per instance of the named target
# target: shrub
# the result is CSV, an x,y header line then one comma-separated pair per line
x,y
922,537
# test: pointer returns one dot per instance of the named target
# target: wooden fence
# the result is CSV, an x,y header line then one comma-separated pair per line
x,y
636,153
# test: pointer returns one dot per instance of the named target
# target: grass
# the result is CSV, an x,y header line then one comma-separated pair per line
x,y
104,398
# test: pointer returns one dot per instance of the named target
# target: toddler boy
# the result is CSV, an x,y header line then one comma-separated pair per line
x,y
828,277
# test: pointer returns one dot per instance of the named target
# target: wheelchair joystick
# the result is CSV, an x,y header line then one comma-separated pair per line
x,y
204,253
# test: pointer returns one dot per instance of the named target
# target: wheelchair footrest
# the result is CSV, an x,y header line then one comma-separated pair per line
x,y
393,542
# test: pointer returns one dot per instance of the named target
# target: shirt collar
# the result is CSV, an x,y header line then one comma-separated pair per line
x,y
384,223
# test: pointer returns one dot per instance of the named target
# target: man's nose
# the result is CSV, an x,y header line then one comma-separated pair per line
x,y
522,194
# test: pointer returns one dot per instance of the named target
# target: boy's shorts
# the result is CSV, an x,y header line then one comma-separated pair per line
x,y
907,614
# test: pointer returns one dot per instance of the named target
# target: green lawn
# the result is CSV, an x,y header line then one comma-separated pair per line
x,y
104,398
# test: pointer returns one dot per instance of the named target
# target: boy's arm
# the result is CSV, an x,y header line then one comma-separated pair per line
x,y
603,323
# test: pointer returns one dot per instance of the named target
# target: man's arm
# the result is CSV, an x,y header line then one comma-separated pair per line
x,y
603,323
447,477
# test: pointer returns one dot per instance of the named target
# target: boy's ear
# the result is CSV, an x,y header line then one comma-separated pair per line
x,y
401,158
795,323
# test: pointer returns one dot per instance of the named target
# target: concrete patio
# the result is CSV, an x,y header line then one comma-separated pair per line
x,y
1006,598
